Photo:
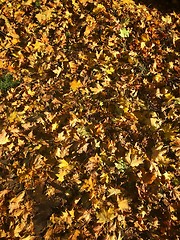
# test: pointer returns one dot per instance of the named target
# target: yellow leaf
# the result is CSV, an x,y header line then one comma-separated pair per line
x,y
64,164
143,44
75,85
97,89
145,37
110,70
122,204
127,2
44,16
3,138
133,159
99,8
57,71
106,215
167,19
157,77
54,126
91,24
61,175
38,45
114,191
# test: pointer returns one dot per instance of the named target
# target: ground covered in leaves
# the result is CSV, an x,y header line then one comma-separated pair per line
x,y
89,102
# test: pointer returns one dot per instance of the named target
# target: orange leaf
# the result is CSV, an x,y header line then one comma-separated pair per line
x,y
75,85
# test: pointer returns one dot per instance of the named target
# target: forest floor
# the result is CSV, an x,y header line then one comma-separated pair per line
x,y
89,114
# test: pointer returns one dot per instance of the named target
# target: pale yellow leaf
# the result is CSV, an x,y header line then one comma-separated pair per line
x,y
3,138
57,71
97,89
167,19
106,215
114,191
122,204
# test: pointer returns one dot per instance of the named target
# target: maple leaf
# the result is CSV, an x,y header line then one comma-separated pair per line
x,y
75,85
3,138
64,169
106,215
122,204
44,16
133,159
124,33
97,89
61,175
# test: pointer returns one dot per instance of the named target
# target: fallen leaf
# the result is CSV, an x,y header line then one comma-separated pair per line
x,y
122,204
3,138
75,85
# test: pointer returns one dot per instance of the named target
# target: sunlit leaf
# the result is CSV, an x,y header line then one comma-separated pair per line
x,y
75,85
106,215
122,204
124,33
3,138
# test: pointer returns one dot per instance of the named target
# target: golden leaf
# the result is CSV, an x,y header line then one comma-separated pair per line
x,y
133,159
157,77
3,138
97,89
122,204
64,164
44,16
15,202
61,175
55,126
91,24
109,70
106,215
114,191
38,45
75,85
57,71
75,235
167,19
145,37
99,8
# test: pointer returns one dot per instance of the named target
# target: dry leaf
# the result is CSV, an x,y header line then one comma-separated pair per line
x,y
3,138
122,204
15,202
133,159
75,85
